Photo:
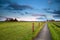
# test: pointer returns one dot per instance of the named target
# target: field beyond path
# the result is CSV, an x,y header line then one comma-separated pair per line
x,y
44,34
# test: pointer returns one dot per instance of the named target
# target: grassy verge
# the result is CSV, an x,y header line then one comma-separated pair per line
x,y
55,31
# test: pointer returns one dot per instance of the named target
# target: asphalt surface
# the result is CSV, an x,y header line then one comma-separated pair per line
x,y
44,34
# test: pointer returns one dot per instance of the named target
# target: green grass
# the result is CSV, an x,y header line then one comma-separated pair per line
x,y
54,30
57,23
18,30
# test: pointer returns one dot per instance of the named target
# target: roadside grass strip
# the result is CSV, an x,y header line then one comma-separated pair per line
x,y
54,30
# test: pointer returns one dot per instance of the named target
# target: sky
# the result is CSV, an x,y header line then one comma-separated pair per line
x,y
30,10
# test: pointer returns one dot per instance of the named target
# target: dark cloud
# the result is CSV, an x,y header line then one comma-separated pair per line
x,y
5,1
12,5
57,14
15,6
48,10
57,1
40,18
52,11
26,13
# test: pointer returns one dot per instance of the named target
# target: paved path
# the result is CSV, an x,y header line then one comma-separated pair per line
x,y
44,34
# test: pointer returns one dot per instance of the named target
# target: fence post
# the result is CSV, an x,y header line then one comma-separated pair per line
x,y
32,27
38,24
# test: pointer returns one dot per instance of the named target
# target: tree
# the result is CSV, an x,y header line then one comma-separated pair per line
x,y
11,19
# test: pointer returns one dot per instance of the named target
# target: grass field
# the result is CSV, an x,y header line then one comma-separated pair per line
x,y
54,30
18,30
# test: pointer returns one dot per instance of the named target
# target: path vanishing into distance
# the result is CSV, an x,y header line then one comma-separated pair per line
x,y
44,34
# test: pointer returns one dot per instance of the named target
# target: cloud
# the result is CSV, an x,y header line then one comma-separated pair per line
x,y
5,1
56,16
48,10
9,5
15,6
56,12
52,11
57,1
40,18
